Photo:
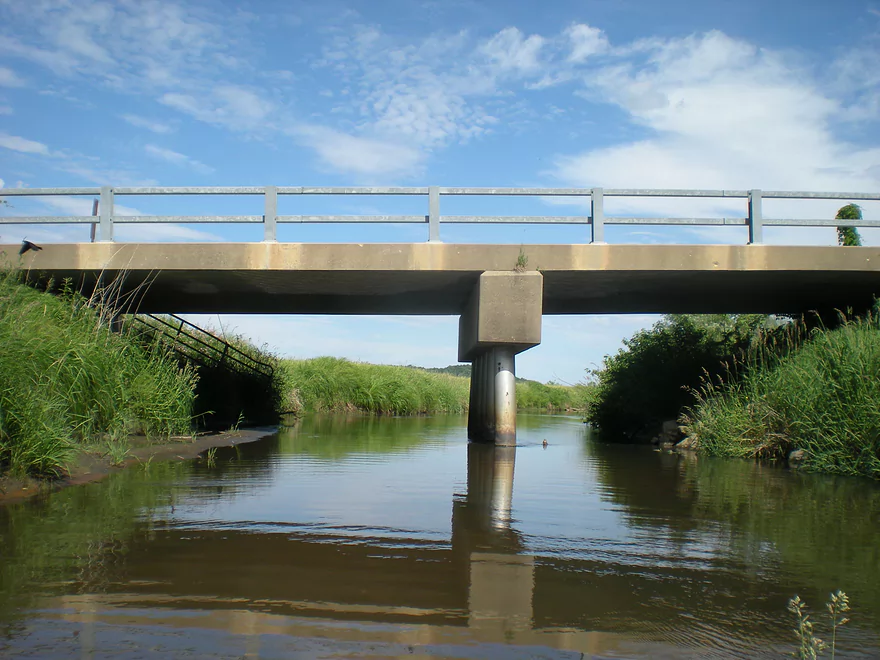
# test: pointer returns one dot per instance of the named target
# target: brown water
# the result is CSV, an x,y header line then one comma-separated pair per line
x,y
385,538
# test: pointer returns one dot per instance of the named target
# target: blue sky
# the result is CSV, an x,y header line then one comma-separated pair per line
x,y
614,93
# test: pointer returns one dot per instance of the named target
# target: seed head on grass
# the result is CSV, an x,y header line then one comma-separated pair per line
x,y
810,645
837,607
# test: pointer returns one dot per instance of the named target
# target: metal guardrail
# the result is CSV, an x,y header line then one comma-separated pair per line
x,y
597,219
199,345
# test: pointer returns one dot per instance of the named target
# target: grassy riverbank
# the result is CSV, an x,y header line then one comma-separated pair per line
x,y
820,394
67,382
329,384
336,385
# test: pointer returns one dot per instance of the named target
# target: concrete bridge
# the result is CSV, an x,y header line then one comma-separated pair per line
x,y
500,292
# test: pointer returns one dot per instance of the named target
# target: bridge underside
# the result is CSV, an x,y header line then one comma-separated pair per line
x,y
425,278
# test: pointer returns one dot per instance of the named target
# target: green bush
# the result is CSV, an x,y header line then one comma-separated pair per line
x,y
822,397
651,379
849,236
66,379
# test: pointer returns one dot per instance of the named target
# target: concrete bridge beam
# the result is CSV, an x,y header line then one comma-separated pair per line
x,y
501,318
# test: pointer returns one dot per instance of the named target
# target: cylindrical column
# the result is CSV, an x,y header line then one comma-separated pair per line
x,y
476,399
505,395
487,429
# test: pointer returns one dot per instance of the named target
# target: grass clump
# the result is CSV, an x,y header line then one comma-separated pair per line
x,y
820,395
329,384
67,381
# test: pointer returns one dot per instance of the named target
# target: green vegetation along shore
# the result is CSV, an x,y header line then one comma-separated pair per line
x,y
69,382
751,387
815,392
657,371
329,384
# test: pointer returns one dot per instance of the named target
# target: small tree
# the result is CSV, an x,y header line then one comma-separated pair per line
x,y
849,235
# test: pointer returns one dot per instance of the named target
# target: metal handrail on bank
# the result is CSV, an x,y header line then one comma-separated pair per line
x,y
596,220
209,352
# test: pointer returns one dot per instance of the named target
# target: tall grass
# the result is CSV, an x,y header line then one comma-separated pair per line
x,y
532,395
821,395
67,380
329,384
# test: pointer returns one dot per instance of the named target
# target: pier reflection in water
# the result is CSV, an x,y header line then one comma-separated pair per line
x,y
335,539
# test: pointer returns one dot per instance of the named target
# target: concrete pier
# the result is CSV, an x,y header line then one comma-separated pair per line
x,y
502,318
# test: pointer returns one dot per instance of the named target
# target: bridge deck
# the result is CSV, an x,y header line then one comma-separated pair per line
x,y
436,278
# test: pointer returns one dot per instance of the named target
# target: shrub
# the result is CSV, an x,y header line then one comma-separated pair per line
x,y
651,379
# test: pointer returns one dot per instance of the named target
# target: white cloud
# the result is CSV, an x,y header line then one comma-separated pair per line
x,y
84,166
720,113
6,110
77,40
230,106
8,78
510,50
585,41
176,158
127,44
360,156
413,92
149,124
23,145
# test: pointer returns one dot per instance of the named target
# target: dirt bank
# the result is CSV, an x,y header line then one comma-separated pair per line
x,y
89,466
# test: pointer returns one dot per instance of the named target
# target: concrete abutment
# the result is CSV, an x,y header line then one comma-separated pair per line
x,y
502,318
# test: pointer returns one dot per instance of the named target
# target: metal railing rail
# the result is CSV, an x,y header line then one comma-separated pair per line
x,y
596,220
189,340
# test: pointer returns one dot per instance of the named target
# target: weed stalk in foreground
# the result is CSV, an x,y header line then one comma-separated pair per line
x,y
810,646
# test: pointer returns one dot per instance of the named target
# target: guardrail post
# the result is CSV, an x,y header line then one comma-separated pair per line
x,y
433,214
270,214
597,216
106,208
756,218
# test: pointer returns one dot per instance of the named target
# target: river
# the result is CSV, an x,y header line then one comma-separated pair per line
x,y
358,537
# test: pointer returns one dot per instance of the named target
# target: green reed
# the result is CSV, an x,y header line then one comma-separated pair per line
x,y
818,392
532,395
328,384
67,381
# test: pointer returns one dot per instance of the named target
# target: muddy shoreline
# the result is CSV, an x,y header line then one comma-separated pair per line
x,y
88,467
